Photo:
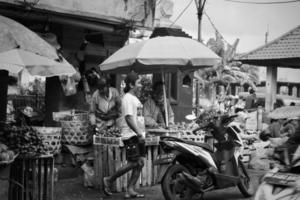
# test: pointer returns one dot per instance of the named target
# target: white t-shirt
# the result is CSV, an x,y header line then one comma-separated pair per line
x,y
131,105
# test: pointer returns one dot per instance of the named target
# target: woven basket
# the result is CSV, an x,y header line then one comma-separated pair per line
x,y
76,132
51,138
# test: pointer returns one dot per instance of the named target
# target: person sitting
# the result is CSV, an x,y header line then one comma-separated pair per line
x,y
154,110
105,104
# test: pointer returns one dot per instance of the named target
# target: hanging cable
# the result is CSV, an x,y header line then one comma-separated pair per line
x,y
264,2
181,13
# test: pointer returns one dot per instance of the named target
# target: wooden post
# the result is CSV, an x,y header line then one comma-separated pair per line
x,y
3,94
271,85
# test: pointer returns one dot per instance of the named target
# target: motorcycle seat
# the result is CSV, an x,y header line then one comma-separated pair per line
x,y
199,144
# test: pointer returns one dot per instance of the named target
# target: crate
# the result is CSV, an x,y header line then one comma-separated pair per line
x,y
32,178
117,141
112,141
108,158
188,135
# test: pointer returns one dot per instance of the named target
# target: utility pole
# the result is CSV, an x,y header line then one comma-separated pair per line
x,y
200,7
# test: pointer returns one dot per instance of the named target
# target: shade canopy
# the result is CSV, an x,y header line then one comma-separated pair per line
x,y
21,48
161,54
16,60
14,35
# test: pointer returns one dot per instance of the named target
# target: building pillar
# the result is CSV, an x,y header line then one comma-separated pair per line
x,y
271,87
298,91
290,90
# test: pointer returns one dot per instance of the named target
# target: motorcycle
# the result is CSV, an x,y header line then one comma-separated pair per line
x,y
187,168
282,182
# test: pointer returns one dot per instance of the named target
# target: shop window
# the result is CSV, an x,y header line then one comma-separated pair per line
x,y
187,81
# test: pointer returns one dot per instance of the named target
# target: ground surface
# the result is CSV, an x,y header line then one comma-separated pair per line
x,y
72,189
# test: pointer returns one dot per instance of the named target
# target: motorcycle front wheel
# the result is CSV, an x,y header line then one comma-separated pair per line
x,y
245,186
172,188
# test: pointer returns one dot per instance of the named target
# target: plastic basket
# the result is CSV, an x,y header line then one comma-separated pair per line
x,y
76,132
51,138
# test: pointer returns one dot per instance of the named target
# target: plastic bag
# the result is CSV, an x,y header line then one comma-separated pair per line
x,y
88,176
68,85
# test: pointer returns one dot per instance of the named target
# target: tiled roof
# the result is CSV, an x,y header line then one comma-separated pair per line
x,y
285,47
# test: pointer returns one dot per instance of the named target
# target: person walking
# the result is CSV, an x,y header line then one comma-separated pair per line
x,y
133,134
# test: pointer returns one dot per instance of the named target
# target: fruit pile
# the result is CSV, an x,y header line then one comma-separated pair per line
x,y
24,140
109,132
6,155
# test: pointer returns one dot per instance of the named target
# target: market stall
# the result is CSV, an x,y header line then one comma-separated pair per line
x,y
157,55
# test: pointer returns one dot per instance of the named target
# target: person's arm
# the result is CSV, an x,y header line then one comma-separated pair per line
x,y
93,108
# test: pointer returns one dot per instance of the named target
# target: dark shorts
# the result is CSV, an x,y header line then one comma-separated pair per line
x,y
135,148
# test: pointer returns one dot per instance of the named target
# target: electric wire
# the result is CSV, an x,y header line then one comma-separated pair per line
x,y
264,2
181,13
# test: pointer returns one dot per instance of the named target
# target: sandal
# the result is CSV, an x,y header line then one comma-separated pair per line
x,y
131,196
106,187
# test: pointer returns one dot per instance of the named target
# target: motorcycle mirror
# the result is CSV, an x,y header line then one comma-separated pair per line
x,y
190,117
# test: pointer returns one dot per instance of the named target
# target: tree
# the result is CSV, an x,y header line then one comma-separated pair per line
x,y
228,71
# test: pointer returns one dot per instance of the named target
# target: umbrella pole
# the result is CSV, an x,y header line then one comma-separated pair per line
x,y
165,99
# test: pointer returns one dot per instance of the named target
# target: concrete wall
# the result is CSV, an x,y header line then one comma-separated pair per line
x,y
140,12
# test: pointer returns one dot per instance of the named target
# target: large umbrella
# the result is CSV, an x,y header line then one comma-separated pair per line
x,y
22,48
17,59
161,54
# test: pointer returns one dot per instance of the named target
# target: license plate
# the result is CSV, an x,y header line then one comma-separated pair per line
x,y
285,179
164,158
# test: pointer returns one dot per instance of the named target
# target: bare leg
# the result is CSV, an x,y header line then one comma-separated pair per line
x,y
135,176
122,170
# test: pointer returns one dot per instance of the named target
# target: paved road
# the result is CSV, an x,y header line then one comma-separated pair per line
x,y
72,190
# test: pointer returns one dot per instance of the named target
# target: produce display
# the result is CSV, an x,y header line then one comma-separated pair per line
x,y
108,131
24,140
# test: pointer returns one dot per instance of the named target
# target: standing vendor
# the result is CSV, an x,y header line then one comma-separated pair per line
x,y
154,110
105,104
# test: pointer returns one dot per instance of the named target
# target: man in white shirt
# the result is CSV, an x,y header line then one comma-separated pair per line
x,y
132,130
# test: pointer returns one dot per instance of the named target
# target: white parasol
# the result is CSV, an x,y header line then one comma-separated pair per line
x,y
161,54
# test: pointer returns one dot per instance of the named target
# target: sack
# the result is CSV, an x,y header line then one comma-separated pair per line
x,y
69,86
135,148
88,176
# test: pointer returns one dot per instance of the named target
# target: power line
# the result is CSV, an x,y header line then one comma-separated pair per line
x,y
265,2
181,13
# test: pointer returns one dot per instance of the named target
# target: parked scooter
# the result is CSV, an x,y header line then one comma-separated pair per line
x,y
189,168
279,185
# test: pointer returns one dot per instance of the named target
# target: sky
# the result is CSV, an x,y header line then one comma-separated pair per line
x,y
248,22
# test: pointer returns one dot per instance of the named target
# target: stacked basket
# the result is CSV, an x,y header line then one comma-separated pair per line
x,y
75,130
51,138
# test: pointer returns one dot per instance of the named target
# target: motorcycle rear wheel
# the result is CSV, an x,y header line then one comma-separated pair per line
x,y
171,188
245,186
